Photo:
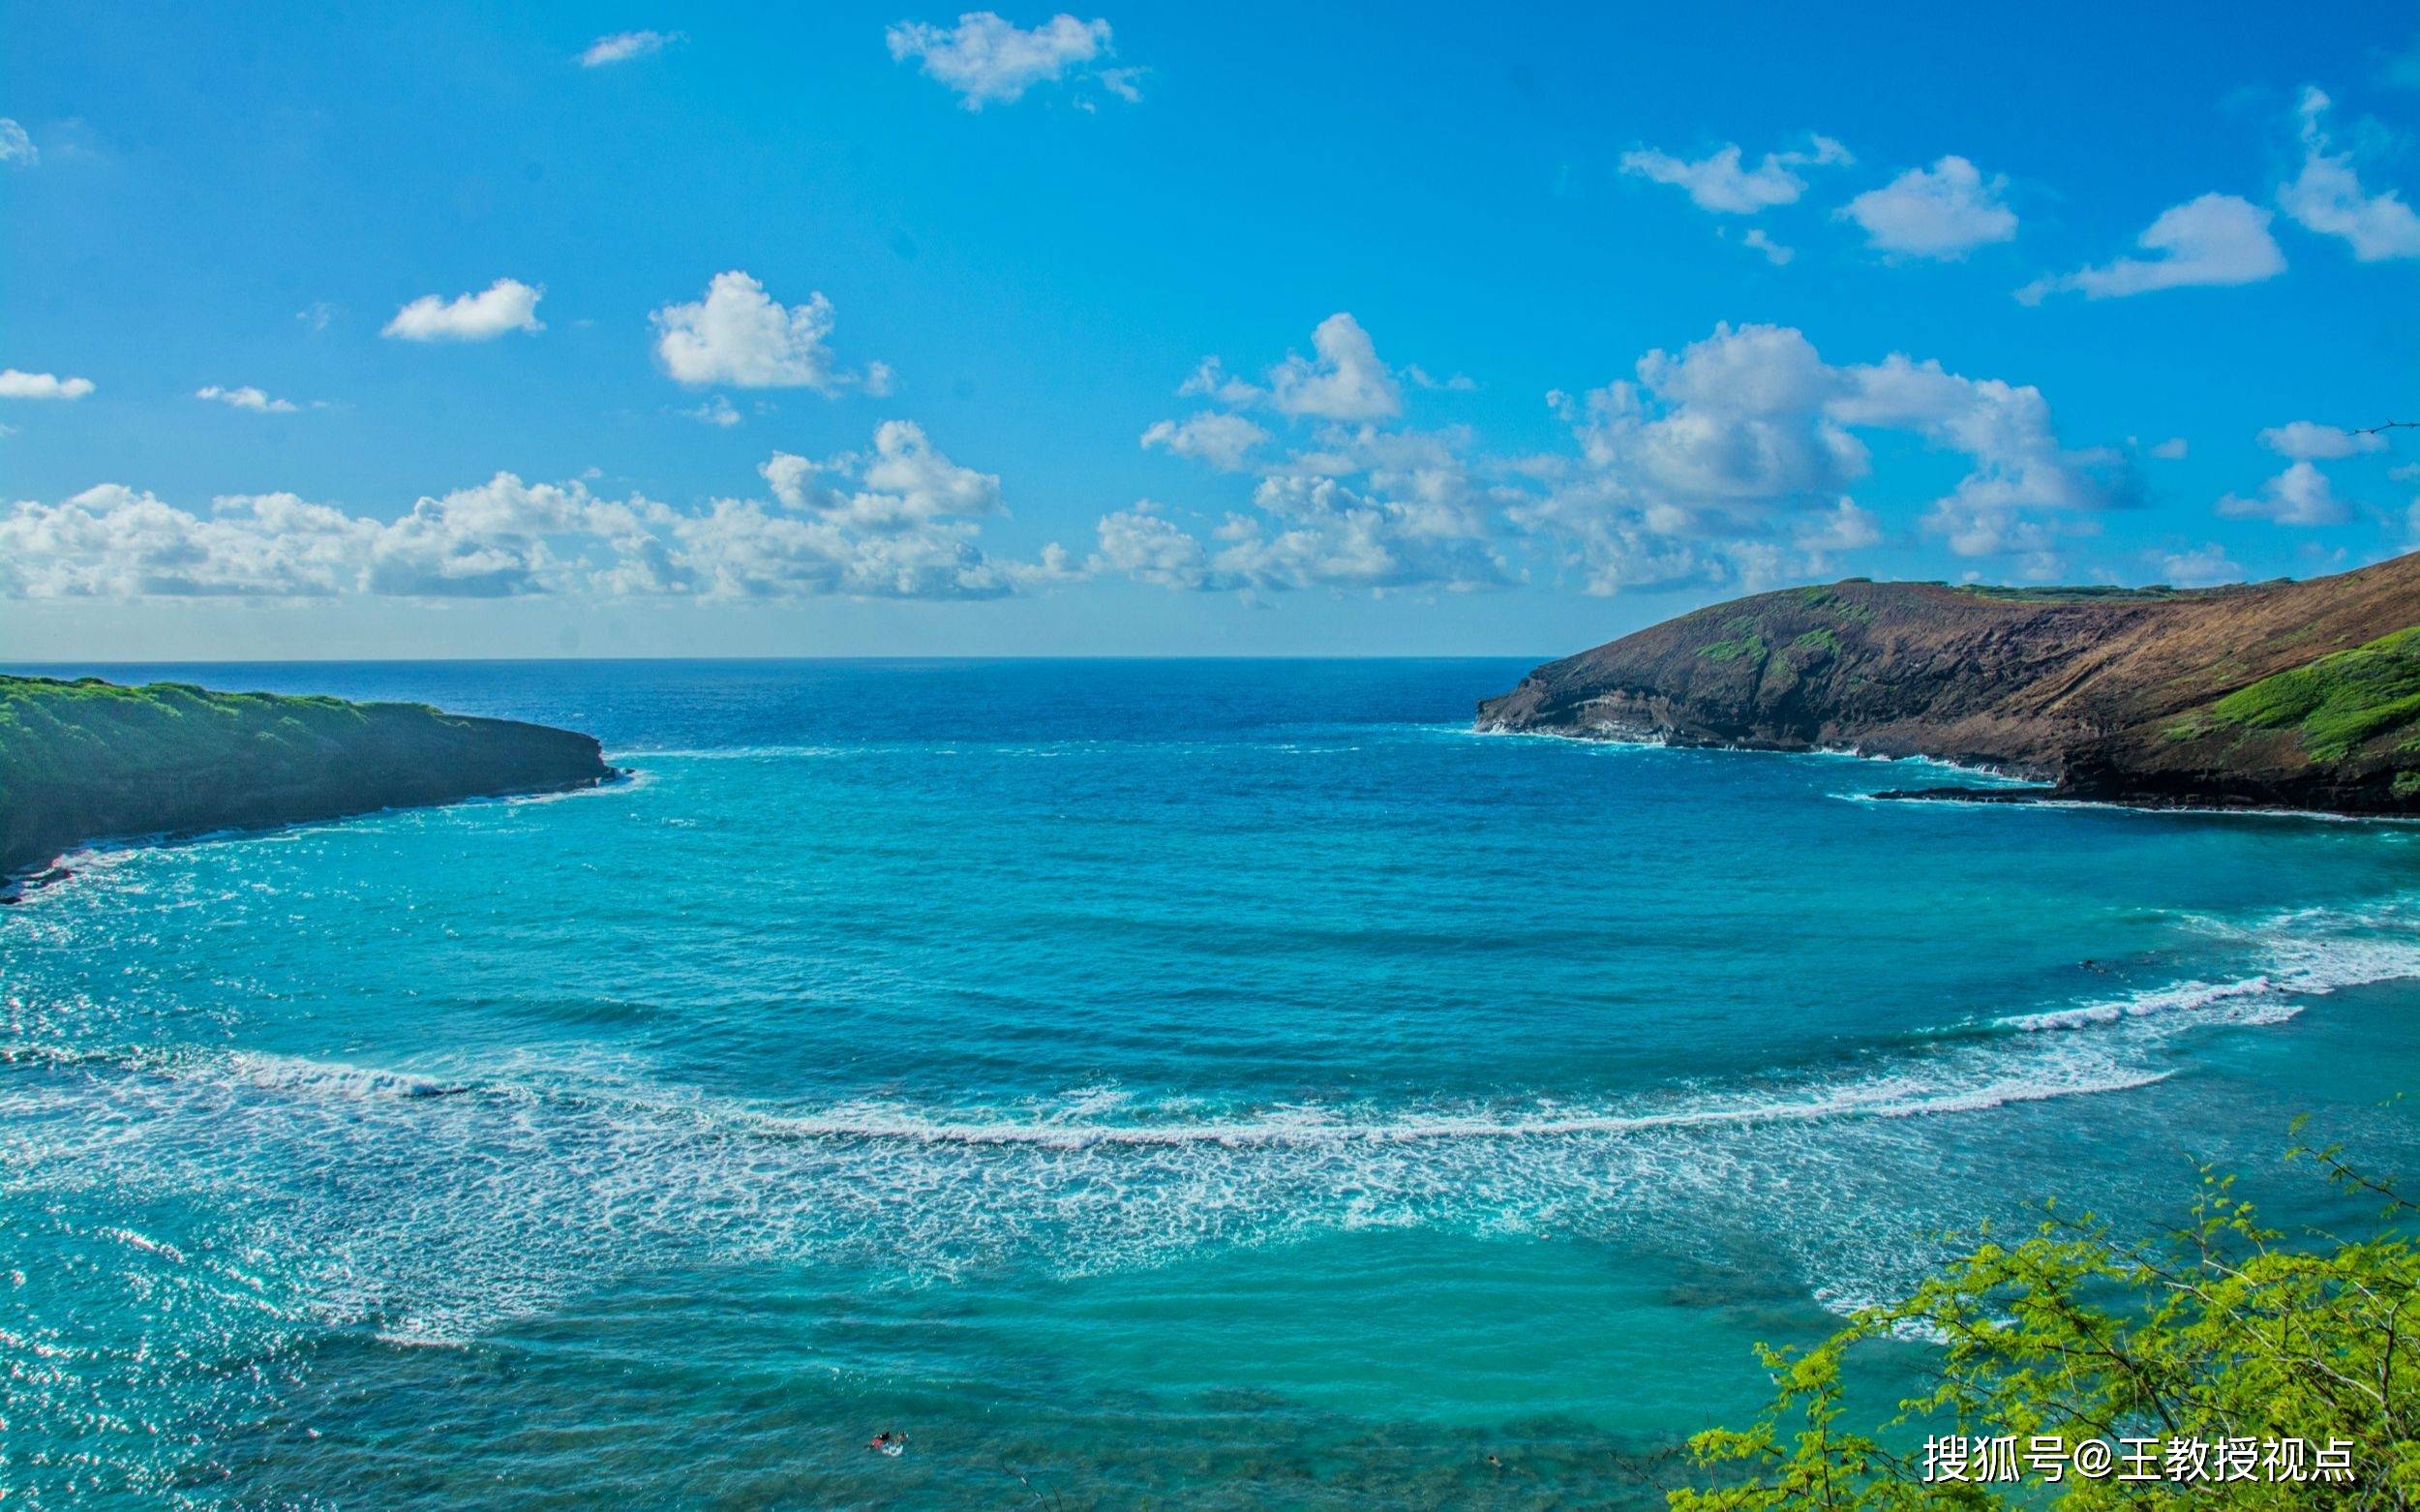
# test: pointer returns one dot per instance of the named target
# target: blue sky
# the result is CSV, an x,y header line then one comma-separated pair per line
x,y
684,331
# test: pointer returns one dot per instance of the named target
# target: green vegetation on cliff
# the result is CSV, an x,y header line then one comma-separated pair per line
x,y
2337,702
90,760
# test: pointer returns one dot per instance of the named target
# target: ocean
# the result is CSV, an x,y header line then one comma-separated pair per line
x,y
1210,1083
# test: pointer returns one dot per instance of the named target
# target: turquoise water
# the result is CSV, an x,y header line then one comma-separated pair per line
x,y
1230,1083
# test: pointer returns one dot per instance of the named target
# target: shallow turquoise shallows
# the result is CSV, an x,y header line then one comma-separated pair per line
x,y
1230,1083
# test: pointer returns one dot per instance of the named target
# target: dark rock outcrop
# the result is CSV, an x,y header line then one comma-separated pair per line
x,y
2283,694
91,760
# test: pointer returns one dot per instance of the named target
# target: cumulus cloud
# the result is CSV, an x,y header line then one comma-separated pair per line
x,y
1143,544
1211,380
14,384
16,149
892,523
2170,450
2203,566
985,60
2308,441
624,47
1344,382
716,412
1310,532
2217,239
895,522
1723,183
1733,461
2300,494
1774,252
116,542
741,336
2327,197
247,397
505,305
1942,212
1224,440
1351,502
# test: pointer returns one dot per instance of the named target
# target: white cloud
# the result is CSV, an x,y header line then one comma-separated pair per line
x,y
2217,239
2327,197
1847,528
1732,462
1942,212
1720,182
14,384
890,524
1210,380
116,542
2201,567
1142,544
505,305
1774,252
716,411
2170,450
16,149
740,335
1353,504
2308,441
247,397
1310,532
2300,494
987,60
902,482
1346,381
1223,441
895,523
622,46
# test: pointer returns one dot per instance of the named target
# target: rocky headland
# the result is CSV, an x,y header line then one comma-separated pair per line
x,y
89,760
2301,695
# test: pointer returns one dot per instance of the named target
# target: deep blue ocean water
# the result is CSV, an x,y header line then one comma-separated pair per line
x,y
1230,1083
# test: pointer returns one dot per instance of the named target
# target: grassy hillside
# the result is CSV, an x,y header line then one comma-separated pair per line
x,y
88,760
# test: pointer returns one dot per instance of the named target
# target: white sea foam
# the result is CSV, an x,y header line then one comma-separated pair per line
x,y
431,1201
2152,810
2300,954
735,753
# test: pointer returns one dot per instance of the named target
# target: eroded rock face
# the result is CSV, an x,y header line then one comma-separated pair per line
x,y
89,760
2292,694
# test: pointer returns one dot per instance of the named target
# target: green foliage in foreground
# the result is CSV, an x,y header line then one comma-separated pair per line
x,y
2337,702
2217,1330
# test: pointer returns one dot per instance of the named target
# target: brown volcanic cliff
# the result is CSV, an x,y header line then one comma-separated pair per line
x,y
2289,694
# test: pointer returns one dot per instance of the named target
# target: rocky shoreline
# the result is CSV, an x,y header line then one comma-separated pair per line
x,y
2297,696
